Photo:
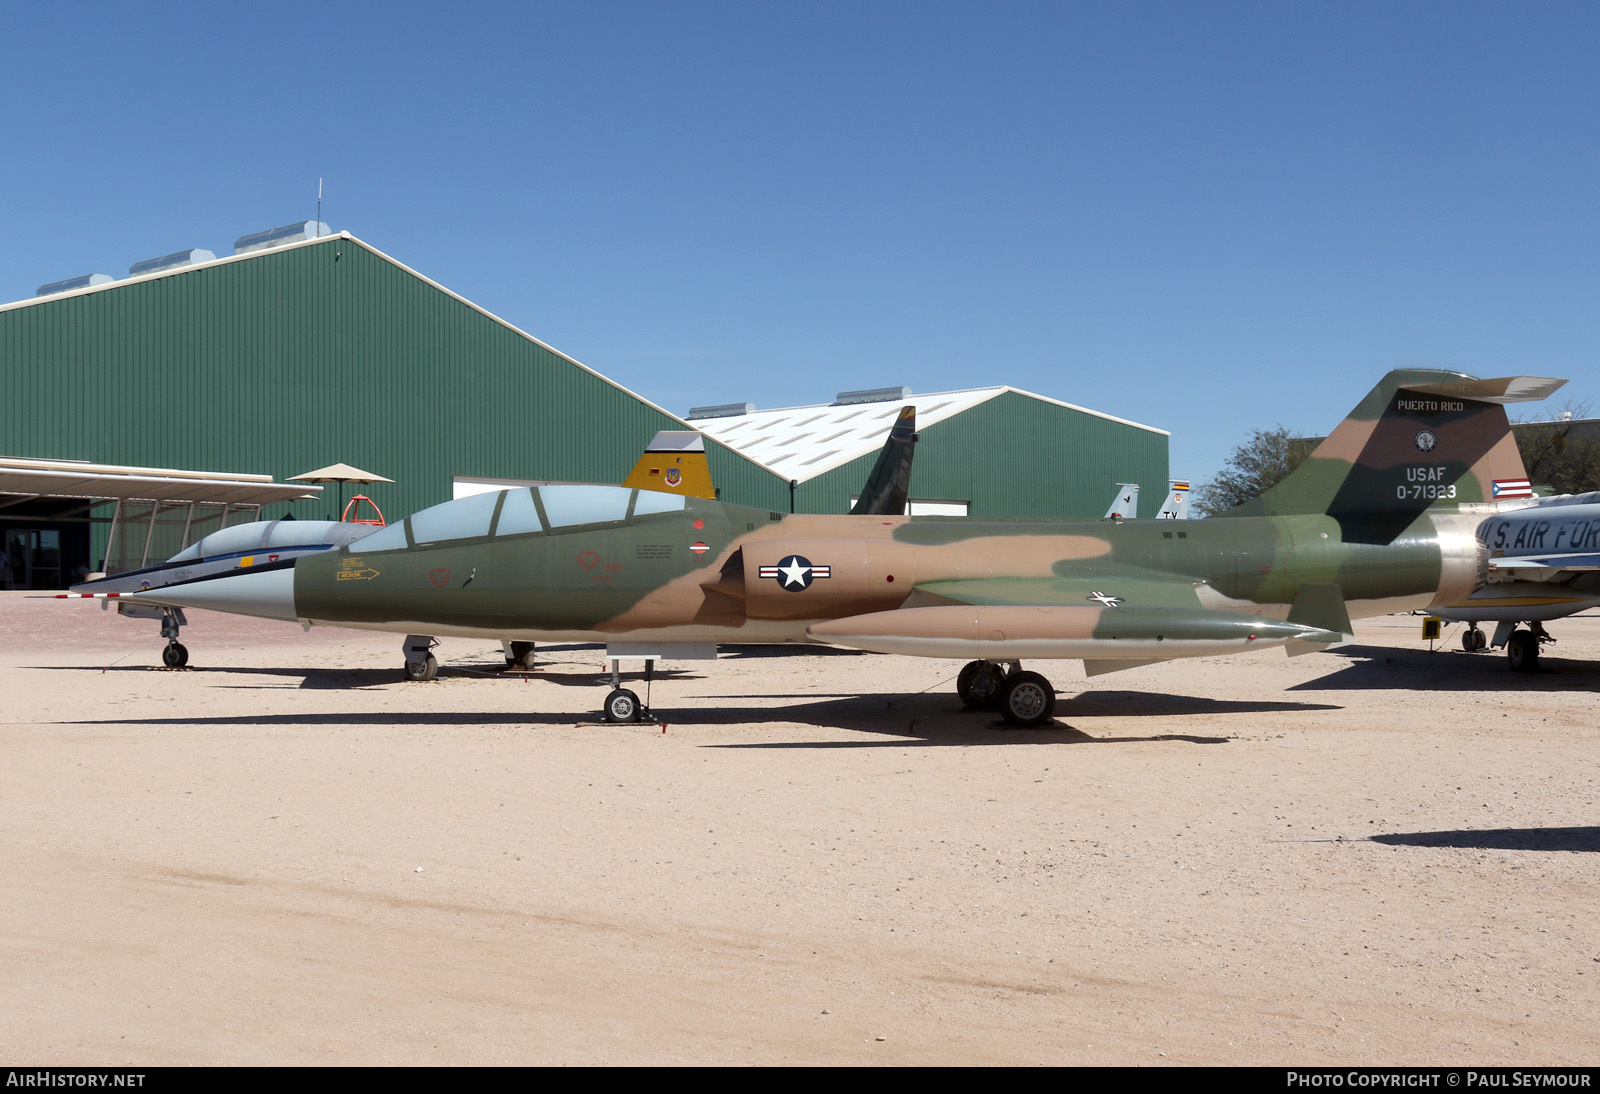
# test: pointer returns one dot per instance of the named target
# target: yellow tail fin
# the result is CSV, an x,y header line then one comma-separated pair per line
x,y
674,462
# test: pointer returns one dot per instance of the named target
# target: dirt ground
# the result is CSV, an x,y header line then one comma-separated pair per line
x,y
285,854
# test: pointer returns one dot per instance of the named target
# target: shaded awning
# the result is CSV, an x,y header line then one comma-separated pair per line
x,y
22,480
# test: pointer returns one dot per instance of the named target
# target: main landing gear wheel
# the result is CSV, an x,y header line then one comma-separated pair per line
x,y
1523,651
1473,640
623,705
422,670
175,656
1027,699
979,684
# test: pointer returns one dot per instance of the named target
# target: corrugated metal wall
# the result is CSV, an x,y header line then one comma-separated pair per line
x,y
300,357
297,358
1014,456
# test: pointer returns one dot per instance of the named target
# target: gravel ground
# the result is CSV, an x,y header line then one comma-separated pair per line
x,y
285,854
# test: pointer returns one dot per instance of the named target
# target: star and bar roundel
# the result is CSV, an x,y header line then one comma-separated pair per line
x,y
795,573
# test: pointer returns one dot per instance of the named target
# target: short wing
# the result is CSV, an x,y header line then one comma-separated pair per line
x,y
1134,591
1120,618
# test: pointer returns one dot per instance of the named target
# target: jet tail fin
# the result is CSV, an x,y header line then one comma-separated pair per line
x,y
674,462
1176,507
890,482
1421,439
1125,505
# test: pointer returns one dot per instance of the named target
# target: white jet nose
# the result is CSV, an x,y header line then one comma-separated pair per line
x,y
267,594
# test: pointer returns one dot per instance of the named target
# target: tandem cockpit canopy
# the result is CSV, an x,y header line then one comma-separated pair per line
x,y
523,511
269,535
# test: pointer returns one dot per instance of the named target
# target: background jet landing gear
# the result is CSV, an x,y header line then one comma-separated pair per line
x,y
623,705
1472,639
420,664
519,656
176,655
1522,648
1023,698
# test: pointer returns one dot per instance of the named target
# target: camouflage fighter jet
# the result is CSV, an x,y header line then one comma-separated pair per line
x,y
673,461
1381,518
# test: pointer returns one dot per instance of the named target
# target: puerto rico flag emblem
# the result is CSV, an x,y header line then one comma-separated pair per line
x,y
1512,488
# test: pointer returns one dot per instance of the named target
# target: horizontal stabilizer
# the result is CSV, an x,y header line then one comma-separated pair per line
x,y
1502,389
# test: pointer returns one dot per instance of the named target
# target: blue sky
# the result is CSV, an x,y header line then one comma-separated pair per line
x,y
1208,217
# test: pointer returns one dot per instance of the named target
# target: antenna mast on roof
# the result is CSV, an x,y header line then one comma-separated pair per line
x,y
319,205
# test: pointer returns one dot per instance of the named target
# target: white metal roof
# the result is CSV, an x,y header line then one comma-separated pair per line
x,y
802,442
22,480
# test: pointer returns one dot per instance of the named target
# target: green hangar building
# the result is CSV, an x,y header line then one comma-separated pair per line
x,y
182,390
982,452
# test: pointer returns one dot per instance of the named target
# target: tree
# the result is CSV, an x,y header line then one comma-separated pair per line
x,y
1562,456
1256,466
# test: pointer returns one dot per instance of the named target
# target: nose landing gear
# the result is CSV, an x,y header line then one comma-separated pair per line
x,y
421,665
176,655
623,705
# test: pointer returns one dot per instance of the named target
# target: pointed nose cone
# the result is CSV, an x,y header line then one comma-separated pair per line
x,y
266,594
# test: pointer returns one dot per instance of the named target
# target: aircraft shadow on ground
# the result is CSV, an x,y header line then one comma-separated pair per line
x,y
1375,668
916,721
926,718
913,722
1144,704
464,719
349,679
1500,839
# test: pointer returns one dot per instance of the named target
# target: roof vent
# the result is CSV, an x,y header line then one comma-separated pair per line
x,y
74,283
167,262
873,395
726,410
277,237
